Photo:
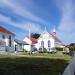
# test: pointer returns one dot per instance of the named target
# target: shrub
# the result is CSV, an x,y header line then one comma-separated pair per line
x,y
34,49
59,49
72,49
26,51
42,51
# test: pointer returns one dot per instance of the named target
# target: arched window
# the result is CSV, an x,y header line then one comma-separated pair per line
x,y
42,44
49,43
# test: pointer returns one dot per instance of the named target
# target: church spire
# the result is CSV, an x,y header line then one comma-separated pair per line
x,y
45,29
29,31
54,30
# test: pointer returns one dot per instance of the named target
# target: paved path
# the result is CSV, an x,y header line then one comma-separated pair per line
x,y
70,70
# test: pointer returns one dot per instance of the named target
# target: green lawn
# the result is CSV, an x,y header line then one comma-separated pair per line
x,y
35,64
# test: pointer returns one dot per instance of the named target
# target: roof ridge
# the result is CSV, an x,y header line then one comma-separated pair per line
x,y
2,29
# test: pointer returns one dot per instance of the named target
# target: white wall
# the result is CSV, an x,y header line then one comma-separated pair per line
x,y
6,40
27,40
19,47
27,47
46,37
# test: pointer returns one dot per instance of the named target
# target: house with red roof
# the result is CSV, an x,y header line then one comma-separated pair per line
x,y
6,40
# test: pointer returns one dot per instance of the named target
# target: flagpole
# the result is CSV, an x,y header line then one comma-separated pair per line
x,y
29,40
29,32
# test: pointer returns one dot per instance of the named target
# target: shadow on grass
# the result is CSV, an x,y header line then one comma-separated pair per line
x,y
31,66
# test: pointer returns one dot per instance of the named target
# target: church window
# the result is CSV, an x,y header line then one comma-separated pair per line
x,y
49,43
42,44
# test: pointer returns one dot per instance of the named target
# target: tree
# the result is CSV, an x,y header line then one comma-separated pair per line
x,y
72,44
35,35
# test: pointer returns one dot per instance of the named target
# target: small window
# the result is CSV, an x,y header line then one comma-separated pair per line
x,y
3,36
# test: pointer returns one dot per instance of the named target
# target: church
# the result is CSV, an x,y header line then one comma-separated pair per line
x,y
46,42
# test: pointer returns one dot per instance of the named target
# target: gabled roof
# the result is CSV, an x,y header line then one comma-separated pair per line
x,y
21,42
55,37
34,41
4,30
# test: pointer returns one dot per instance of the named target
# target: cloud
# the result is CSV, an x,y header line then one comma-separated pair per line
x,y
5,19
21,25
66,27
21,10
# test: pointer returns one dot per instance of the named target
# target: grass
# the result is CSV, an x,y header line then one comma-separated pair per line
x,y
35,64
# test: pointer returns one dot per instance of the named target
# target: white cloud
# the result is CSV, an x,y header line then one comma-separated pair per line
x,y
23,25
5,19
66,28
20,10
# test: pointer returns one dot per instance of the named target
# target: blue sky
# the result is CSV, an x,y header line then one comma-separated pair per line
x,y
18,15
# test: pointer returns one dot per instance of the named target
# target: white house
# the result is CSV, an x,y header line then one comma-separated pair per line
x,y
6,40
19,45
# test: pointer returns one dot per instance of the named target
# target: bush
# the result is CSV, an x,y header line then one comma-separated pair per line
x,y
72,49
42,51
34,49
59,49
25,51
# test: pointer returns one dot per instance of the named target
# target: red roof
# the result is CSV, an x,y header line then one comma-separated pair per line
x,y
34,41
2,29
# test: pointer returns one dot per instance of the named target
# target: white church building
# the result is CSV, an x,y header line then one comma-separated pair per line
x,y
47,41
